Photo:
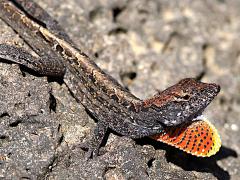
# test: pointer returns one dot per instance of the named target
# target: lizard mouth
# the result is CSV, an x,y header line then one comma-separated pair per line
x,y
198,115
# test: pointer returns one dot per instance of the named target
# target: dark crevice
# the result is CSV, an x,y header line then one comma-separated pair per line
x,y
94,13
205,46
61,140
18,104
25,177
48,169
59,127
132,75
118,30
147,173
73,95
5,114
116,11
127,78
143,11
3,137
129,75
15,124
150,162
9,155
108,168
34,133
62,136
53,103
96,54
106,136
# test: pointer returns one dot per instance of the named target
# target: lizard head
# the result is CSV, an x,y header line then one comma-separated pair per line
x,y
181,102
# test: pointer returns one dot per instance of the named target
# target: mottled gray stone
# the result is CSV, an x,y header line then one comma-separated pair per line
x,y
28,136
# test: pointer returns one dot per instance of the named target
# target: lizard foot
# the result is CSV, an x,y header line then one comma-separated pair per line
x,y
92,146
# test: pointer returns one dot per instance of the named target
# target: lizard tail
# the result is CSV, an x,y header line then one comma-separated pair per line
x,y
199,138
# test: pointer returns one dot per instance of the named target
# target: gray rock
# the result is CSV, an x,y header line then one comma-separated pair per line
x,y
28,136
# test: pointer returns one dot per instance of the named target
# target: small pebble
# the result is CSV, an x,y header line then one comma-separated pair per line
x,y
234,127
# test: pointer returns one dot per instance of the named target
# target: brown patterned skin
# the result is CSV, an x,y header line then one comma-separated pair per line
x,y
181,102
112,105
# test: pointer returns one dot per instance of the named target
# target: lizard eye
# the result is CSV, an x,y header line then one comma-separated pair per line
x,y
186,97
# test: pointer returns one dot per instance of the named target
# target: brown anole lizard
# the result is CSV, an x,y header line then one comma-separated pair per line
x,y
111,104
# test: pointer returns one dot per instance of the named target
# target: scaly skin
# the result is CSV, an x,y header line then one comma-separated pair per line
x,y
112,105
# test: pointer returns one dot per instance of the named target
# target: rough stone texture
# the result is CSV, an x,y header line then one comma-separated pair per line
x,y
147,45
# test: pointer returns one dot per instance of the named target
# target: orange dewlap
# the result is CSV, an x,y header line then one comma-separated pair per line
x,y
199,138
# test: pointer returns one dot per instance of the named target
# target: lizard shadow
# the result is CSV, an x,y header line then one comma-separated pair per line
x,y
209,165
191,163
25,70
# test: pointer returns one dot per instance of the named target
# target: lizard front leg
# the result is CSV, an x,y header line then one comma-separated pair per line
x,y
45,65
94,144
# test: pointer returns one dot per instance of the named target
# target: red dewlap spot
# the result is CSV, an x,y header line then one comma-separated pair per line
x,y
199,138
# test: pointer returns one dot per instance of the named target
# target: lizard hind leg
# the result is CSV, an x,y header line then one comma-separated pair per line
x,y
46,65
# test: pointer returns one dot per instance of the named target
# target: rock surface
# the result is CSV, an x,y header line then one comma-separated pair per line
x,y
147,46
